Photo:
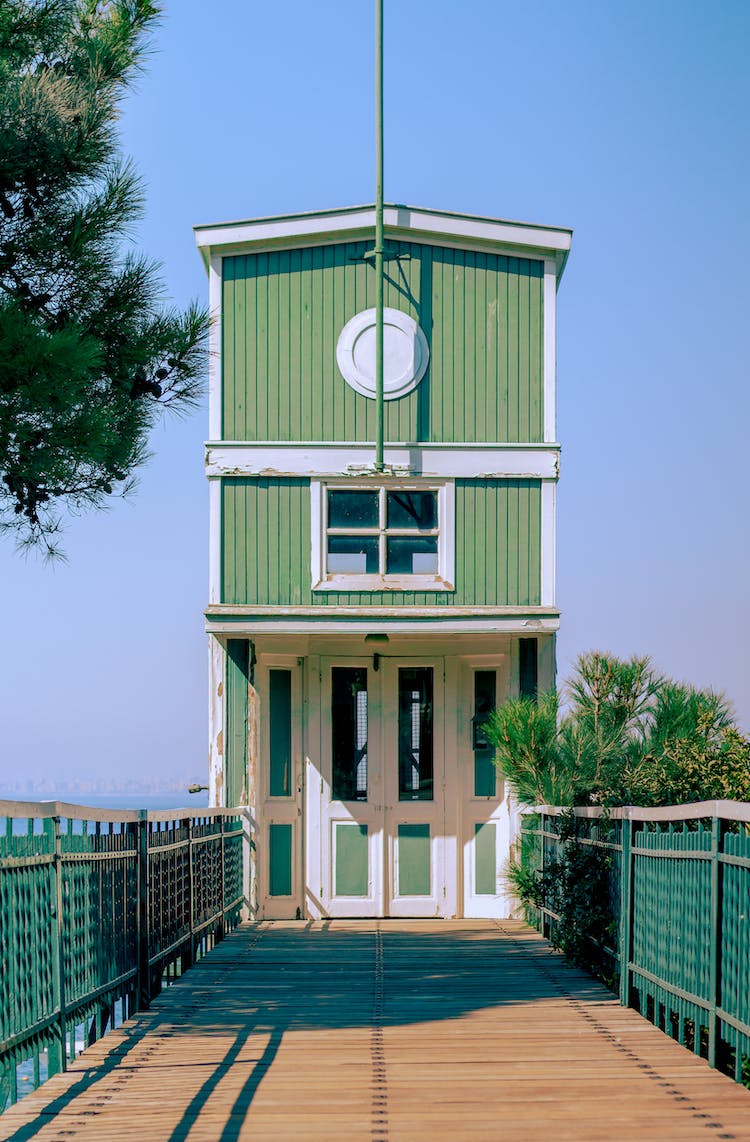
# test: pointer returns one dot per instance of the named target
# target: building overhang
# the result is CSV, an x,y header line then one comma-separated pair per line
x,y
234,620
409,223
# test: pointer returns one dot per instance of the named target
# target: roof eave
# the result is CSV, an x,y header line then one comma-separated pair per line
x,y
284,231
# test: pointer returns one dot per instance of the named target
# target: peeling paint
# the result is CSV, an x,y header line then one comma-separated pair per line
x,y
220,689
220,743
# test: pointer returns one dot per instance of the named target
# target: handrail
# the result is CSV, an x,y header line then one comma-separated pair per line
x,y
44,810
724,810
678,881
100,907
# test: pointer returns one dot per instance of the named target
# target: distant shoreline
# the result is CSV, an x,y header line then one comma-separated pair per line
x,y
122,800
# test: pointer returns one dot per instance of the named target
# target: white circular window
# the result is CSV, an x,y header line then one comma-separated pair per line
x,y
405,353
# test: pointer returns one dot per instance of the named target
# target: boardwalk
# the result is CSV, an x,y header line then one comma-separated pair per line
x,y
384,1031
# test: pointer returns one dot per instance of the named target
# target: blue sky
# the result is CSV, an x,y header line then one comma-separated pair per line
x,y
626,121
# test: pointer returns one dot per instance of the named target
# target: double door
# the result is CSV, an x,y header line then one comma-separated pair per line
x,y
381,807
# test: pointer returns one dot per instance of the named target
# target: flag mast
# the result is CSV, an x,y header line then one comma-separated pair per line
x,y
379,243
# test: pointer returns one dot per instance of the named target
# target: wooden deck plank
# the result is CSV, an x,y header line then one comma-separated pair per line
x,y
467,1029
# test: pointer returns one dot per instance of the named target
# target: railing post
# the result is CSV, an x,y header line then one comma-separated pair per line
x,y
625,941
714,967
544,925
247,867
191,891
222,821
144,971
57,1055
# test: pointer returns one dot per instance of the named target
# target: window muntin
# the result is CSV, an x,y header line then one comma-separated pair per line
x,y
384,531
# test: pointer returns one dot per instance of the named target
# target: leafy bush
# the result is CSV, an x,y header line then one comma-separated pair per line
x,y
626,736
576,888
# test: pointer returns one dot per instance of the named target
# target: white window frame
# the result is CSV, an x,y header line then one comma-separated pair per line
x,y
442,580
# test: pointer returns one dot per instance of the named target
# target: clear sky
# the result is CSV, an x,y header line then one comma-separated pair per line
x,y
626,121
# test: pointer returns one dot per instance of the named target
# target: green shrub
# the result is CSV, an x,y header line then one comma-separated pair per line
x,y
625,735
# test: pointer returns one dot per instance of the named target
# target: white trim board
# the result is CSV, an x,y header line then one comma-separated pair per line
x,y
548,543
399,221
214,346
216,735
540,462
263,624
550,350
532,611
214,541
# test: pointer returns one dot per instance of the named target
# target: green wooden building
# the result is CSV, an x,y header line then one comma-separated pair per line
x,y
361,621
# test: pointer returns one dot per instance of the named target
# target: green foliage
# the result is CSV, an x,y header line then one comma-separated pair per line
x,y
688,769
627,736
88,352
576,888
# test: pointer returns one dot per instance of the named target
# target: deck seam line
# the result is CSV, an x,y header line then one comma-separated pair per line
x,y
577,1006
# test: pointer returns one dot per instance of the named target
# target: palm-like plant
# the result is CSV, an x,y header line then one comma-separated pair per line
x,y
618,738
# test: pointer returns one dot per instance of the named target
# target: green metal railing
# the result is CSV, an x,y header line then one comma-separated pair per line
x,y
98,908
679,881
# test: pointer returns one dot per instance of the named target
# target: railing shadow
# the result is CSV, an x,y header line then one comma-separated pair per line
x,y
318,977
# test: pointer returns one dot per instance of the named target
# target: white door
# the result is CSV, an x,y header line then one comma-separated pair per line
x,y
351,789
486,817
276,787
382,779
414,787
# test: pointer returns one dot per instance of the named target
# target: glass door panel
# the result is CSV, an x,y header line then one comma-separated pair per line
x,y
484,807
416,762
349,732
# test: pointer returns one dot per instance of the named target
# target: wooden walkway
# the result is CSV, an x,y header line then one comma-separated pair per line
x,y
384,1031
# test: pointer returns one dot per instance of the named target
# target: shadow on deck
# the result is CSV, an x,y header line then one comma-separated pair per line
x,y
383,1031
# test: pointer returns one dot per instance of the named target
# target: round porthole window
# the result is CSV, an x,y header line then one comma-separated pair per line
x,y
405,353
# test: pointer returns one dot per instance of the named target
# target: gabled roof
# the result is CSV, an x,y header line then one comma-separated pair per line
x,y
410,223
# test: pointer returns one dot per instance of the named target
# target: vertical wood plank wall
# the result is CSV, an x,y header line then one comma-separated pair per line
x,y
266,547
481,313
236,727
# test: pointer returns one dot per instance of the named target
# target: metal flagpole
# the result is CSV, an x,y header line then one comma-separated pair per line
x,y
379,247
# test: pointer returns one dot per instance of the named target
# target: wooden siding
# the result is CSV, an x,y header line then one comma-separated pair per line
x,y
266,547
481,314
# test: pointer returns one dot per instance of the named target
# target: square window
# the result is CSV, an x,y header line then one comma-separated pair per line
x,y
383,537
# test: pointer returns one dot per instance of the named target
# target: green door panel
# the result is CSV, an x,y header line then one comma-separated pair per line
x,y
485,861
414,860
351,859
280,860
